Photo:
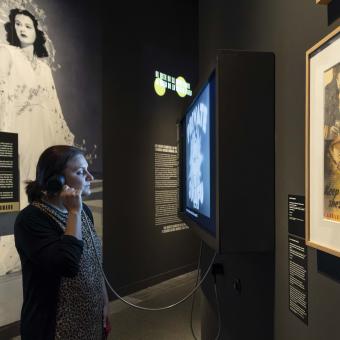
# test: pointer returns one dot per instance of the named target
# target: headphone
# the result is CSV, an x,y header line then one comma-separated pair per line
x,y
55,184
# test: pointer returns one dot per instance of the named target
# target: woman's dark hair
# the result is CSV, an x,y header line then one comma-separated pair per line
x,y
12,37
52,161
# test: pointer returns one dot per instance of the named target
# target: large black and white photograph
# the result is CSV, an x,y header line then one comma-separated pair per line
x,y
50,94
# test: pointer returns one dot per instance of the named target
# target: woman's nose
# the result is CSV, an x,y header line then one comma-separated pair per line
x,y
89,176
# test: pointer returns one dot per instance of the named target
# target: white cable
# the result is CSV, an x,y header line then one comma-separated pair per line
x,y
146,308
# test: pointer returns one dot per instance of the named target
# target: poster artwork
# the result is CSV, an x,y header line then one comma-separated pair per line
x,y
29,104
323,144
332,144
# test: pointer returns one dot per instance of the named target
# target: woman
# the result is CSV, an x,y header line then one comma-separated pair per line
x,y
64,292
29,104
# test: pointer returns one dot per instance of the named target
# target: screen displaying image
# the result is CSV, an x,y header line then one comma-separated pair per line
x,y
197,149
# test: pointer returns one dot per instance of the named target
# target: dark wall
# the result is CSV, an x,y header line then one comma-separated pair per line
x,y
287,28
75,29
140,39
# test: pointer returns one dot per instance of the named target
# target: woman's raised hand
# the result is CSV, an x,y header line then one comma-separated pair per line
x,y
71,199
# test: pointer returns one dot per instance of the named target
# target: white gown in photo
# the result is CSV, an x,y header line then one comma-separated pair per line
x,y
29,106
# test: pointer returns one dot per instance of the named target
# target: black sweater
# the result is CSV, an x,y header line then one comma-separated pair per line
x,y
46,255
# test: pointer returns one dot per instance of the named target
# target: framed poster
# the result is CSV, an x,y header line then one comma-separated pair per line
x,y
323,144
323,2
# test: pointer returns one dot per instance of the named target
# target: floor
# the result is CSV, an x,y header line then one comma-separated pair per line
x,y
171,324
10,297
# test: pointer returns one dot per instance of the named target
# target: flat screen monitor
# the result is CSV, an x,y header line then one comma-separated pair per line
x,y
227,152
197,161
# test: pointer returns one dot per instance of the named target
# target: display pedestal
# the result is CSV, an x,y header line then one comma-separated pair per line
x,y
246,199
246,298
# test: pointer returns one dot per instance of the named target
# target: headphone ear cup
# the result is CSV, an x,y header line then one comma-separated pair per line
x,y
55,184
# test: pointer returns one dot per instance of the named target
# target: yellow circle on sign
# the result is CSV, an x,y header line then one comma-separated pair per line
x,y
181,86
159,86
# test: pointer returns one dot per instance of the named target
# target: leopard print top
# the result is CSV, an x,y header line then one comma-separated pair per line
x,y
80,299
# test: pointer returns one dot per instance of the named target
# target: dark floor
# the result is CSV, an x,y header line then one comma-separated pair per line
x,y
174,324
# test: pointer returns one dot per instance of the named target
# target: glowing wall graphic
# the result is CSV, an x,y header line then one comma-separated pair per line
x,y
163,82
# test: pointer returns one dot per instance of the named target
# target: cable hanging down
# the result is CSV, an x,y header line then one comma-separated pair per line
x,y
158,308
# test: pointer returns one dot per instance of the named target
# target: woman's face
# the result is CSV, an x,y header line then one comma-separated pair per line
x,y
25,30
77,175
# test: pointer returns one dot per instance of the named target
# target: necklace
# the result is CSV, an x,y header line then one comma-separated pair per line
x,y
63,211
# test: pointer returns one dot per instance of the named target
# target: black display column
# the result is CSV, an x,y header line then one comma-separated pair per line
x,y
246,195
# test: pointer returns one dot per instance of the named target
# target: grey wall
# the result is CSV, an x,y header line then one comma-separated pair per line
x,y
288,28
141,38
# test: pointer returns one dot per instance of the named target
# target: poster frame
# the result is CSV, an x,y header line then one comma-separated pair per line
x,y
312,183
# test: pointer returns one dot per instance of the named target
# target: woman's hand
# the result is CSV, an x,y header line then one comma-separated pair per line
x,y
71,199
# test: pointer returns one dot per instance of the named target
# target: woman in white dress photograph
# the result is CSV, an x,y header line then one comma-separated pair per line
x,y
29,104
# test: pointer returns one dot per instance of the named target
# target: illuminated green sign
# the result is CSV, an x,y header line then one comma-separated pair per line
x,y
163,82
